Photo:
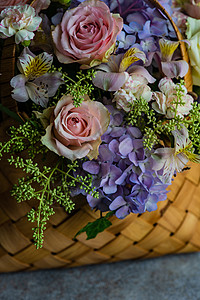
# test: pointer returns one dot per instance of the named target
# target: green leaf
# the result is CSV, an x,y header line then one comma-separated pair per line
x,y
93,228
10,113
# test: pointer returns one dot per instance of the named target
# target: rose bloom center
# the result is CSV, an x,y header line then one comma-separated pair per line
x,y
76,125
88,28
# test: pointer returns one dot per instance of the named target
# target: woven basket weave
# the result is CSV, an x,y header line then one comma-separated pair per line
x,y
173,228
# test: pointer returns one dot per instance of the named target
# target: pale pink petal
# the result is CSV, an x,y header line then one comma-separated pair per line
x,y
109,81
73,153
41,4
51,80
65,100
37,94
141,71
86,34
45,116
175,68
20,92
48,140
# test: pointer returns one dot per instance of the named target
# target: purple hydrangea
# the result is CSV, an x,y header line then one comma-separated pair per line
x,y
122,173
143,27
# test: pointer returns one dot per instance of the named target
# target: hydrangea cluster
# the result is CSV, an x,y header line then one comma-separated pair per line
x,y
143,27
123,173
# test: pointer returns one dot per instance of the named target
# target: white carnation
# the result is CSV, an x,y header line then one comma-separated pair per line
x,y
21,21
134,88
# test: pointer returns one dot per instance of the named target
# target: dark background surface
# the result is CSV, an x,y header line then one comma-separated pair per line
x,y
175,277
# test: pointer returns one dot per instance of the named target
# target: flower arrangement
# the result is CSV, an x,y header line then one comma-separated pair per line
x,y
101,84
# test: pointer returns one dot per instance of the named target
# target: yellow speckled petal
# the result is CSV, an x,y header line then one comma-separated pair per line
x,y
131,56
167,49
192,156
34,67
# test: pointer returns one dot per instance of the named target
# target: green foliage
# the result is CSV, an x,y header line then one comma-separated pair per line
x,y
93,228
10,113
140,114
47,185
156,128
194,126
77,88
26,136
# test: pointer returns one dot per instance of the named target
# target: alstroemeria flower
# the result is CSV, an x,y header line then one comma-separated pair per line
x,y
174,159
167,101
171,68
112,75
35,82
21,21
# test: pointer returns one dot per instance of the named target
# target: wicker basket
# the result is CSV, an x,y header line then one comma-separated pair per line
x,y
173,228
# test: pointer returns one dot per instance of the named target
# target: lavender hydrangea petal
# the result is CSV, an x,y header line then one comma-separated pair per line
x,y
133,158
122,212
151,204
133,27
146,180
126,146
117,202
114,146
91,167
134,178
135,132
109,189
139,193
105,154
117,132
105,169
102,203
122,178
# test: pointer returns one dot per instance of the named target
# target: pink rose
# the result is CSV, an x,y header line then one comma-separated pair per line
x,y
38,4
5,3
87,34
74,132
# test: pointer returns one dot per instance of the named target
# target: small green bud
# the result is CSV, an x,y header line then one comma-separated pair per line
x,y
26,43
